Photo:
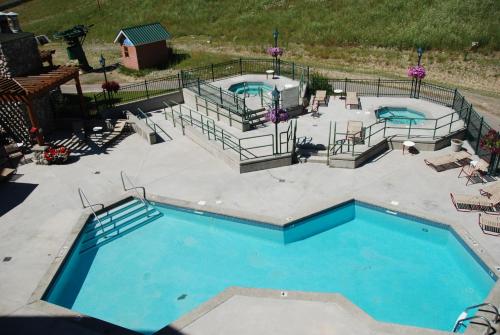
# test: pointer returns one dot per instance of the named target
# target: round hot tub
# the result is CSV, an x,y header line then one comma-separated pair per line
x,y
400,115
250,88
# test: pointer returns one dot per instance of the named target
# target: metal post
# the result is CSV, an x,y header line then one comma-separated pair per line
x,y
308,80
221,101
451,122
213,78
182,121
479,134
191,117
385,127
409,129
202,125
199,89
241,67
179,79
369,136
454,97
239,147
328,144
173,118
378,87
435,128
469,115
345,86
230,119
293,70
146,85
223,148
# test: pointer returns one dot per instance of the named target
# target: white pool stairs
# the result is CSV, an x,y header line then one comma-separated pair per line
x,y
464,318
116,222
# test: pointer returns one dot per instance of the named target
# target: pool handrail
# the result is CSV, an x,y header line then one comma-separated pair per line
x,y
91,206
143,199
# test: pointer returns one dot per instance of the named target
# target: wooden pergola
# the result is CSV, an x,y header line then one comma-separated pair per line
x,y
25,89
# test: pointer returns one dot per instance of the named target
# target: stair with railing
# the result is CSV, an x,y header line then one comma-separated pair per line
x,y
117,222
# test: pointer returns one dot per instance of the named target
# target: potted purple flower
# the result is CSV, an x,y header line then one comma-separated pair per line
x,y
275,51
417,72
277,115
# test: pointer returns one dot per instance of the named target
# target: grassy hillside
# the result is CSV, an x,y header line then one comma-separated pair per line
x,y
433,24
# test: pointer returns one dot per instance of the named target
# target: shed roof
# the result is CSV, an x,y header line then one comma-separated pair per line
x,y
144,34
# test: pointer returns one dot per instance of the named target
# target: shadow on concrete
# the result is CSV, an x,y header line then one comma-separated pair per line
x,y
62,325
13,194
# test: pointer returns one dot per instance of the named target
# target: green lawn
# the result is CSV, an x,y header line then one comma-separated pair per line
x,y
438,24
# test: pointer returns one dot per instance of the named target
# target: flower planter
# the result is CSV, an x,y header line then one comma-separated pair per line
x,y
456,145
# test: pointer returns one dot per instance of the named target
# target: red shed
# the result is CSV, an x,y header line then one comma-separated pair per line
x,y
144,46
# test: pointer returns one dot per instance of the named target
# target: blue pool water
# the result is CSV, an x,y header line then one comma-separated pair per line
x,y
400,115
250,88
395,268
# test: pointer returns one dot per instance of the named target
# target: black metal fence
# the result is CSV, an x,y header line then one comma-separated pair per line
x,y
199,78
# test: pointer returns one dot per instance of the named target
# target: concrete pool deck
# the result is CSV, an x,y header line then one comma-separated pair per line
x,y
41,208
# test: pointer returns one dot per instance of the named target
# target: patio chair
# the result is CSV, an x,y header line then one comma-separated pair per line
x,y
474,170
351,99
489,224
117,130
321,96
468,203
354,131
488,191
315,108
6,173
449,161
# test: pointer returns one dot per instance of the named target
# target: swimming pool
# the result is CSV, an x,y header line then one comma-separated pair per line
x,y
400,115
396,268
250,88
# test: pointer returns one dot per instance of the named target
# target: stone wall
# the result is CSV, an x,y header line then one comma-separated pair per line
x,y
19,55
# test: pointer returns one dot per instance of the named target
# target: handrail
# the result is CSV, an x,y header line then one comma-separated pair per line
x,y
219,134
495,309
147,120
83,196
124,176
461,322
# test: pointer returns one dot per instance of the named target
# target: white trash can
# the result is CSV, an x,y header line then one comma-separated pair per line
x,y
456,145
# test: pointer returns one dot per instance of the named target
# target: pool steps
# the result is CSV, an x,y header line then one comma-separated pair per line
x,y
117,222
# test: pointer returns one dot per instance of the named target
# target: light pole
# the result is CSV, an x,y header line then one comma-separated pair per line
x,y
419,53
275,35
102,61
276,99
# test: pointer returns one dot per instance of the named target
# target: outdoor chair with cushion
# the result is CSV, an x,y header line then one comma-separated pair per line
x,y
6,173
449,161
110,135
467,203
321,97
474,170
489,224
354,131
351,100
488,191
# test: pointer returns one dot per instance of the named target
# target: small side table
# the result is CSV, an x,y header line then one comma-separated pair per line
x,y
409,145
338,92
269,72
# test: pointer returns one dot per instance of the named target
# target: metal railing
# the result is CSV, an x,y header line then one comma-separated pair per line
x,y
247,148
91,206
369,136
151,124
143,199
488,331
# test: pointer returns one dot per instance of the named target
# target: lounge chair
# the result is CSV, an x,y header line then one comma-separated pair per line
x,y
474,170
468,203
449,161
110,136
351,99
6,173
489,224
315,108
321,96
355,131
493,188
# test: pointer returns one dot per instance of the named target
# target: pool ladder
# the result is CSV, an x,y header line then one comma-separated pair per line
x,y
487,322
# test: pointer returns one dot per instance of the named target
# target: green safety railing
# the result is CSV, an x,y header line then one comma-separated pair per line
x,y
185,116
341,142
